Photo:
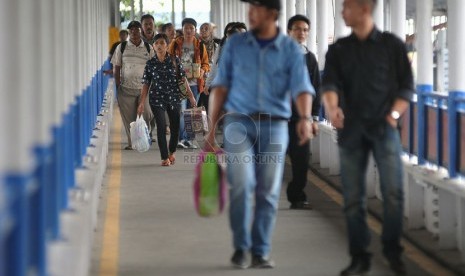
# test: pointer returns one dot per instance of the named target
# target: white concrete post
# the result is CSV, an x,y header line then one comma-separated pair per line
x,y
28,80
290,9
221,24
59,95
227,11
133,14
378,15
300,7
322,30
456,44
311,13
14,145
244,14
398,17
340,28
424,43
283,18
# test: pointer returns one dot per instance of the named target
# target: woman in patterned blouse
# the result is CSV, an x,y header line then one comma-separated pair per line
x,y
161,78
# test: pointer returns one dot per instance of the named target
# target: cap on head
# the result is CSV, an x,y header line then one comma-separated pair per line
x,y
270,4
189,20
134,24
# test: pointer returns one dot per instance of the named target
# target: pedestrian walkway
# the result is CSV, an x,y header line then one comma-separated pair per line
x,y
148,226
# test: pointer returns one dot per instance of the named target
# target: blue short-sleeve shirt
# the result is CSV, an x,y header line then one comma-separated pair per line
x,y
262,79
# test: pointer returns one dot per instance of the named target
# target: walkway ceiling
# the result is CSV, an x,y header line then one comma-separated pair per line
x,y
440,8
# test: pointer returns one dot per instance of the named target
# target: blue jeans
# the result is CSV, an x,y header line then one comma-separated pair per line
x,y
255,152
386,151
185,104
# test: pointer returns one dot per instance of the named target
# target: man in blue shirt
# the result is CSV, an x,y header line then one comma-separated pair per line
x,y
259,73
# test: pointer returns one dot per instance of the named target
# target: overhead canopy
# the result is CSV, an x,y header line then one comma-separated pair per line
x,y
440,8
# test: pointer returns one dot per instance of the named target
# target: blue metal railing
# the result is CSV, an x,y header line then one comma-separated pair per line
x,y
30,215
444,105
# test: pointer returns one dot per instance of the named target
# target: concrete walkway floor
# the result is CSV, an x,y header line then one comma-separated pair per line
x,y
152,228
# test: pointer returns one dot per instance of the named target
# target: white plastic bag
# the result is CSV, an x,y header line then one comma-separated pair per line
x,y
140,137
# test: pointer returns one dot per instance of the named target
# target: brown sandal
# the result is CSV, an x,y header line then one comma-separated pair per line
x,y
165,163
172,158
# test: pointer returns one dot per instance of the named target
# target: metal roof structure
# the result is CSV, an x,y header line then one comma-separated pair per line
x,y
440,8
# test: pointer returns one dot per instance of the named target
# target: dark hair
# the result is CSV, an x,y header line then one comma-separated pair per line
x,y
161,36
179,32
124,32
189,20
231,28
296,18
165,26
146,16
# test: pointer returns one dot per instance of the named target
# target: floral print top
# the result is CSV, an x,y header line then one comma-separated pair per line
x,y
162,79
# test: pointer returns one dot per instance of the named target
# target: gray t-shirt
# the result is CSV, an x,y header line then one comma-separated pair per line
x,y
187,59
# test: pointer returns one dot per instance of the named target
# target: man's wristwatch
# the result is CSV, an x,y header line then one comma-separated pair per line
x,y
395,115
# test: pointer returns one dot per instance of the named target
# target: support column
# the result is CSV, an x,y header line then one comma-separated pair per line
x,y
290,9
283,18
133,14
398,17
141,8
183,9
456,44
379,14
244,11
340,28
220,23
322,32
173,14
117,14
300,7
311,13
425,69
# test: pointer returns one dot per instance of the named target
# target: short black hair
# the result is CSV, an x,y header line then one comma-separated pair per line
x,y
124,32
296,18
189,20
161,36
165,26
146,16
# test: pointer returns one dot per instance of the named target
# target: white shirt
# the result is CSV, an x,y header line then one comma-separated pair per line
x,y
132,63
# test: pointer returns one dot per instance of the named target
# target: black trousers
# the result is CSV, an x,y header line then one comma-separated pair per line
x,y
174,115
203,101
300,156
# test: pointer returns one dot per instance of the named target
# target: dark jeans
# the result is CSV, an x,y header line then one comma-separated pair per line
x,y
203,101
174,117
386,151
300,156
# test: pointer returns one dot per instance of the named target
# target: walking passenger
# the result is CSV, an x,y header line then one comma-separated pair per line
x,y
194,58
161,77
298,27
148,35
169,30
148,28
206,35
367,85
129,62
123,36
259,73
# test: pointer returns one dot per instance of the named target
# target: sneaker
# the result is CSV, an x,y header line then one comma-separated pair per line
x,y
181,145
239,259
301,205
261,262
358,266
189,145
397,266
